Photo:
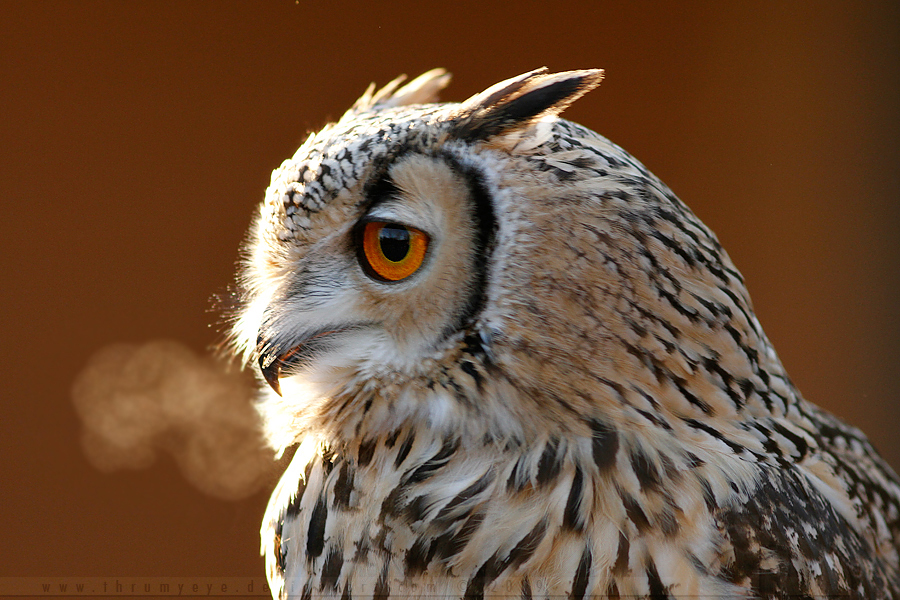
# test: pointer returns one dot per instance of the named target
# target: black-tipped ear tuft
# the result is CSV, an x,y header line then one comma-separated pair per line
x,y
518,102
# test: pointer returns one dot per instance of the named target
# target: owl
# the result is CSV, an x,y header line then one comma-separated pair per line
x,y
514,364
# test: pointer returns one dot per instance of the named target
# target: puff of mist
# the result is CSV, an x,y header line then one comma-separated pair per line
x,y
135,401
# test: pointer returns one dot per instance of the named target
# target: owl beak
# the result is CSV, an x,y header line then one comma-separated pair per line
x,y
272,361
270,366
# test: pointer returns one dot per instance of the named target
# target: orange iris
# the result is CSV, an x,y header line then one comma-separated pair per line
x,y
391,251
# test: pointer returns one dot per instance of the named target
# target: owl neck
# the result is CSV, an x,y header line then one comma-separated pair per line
x,y
418,501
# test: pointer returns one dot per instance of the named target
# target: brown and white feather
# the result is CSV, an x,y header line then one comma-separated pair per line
x,y
572,395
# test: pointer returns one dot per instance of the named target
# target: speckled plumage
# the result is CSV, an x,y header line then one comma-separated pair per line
x,y
571,397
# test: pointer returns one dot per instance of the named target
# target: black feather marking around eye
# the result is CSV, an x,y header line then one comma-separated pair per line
x,y
484,221
380,187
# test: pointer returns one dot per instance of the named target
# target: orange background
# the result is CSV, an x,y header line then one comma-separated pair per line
x,y
138,137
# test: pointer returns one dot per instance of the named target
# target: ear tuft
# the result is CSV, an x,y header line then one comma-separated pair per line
x,y
421,90
521,101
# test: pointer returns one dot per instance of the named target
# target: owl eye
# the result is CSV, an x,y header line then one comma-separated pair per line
x,y
390,251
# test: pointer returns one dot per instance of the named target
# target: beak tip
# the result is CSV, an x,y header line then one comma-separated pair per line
x,y
272,380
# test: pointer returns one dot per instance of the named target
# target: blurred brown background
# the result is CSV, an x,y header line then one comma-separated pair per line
x,y
138,137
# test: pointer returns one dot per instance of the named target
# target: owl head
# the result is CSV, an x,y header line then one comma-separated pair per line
x,y
488,267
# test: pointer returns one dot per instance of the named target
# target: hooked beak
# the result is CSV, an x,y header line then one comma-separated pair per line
x,y
272,361
270,366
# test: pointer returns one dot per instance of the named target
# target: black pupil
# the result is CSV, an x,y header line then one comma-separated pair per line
x,y
394,240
